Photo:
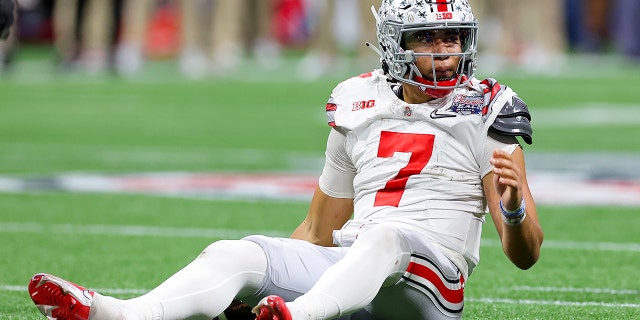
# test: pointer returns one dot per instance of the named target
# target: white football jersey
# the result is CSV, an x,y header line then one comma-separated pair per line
x,y
418,165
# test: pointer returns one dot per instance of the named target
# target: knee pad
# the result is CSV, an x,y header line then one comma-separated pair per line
x,y
382,238
236,254
387,244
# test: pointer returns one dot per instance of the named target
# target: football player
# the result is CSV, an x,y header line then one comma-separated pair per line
x,y
7,17
419,152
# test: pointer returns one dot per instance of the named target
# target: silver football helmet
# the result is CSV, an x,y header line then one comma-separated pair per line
x,y
395,18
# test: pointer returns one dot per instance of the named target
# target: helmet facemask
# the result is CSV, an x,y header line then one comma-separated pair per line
x,y
399,18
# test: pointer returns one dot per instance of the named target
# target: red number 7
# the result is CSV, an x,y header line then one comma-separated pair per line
x,y
419,145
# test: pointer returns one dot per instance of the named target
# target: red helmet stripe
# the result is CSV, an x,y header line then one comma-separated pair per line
x,y
443,6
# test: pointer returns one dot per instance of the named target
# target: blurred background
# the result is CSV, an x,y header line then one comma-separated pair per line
x,y
110,74
132,125
310,39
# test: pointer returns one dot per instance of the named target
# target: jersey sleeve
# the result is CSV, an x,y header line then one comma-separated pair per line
x,y
496,141
338,172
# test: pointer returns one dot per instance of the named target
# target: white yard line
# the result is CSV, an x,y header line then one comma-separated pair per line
x,y
587,115
576,290
554,303
111,291
467,299
140,231
148,231
517,288
550,187
577,245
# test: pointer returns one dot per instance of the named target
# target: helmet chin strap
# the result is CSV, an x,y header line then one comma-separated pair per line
x,y
431,87
436,92
375,49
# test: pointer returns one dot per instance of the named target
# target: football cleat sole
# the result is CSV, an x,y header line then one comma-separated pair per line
x,y
272,308
59,299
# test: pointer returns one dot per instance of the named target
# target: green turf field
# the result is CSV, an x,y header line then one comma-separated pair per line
x,y
126,244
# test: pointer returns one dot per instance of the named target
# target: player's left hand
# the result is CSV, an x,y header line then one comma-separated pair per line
x,y
507,179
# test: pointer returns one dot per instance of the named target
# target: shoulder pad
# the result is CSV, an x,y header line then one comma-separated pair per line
x,y
331,108
514,120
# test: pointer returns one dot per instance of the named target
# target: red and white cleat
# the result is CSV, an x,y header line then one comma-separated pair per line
x,y
272,308
59,299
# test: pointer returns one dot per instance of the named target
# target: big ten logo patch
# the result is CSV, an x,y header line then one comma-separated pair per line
x,y
364,104
444,15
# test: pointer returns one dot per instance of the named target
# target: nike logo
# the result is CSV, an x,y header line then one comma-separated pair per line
x,y
87,294
436,115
